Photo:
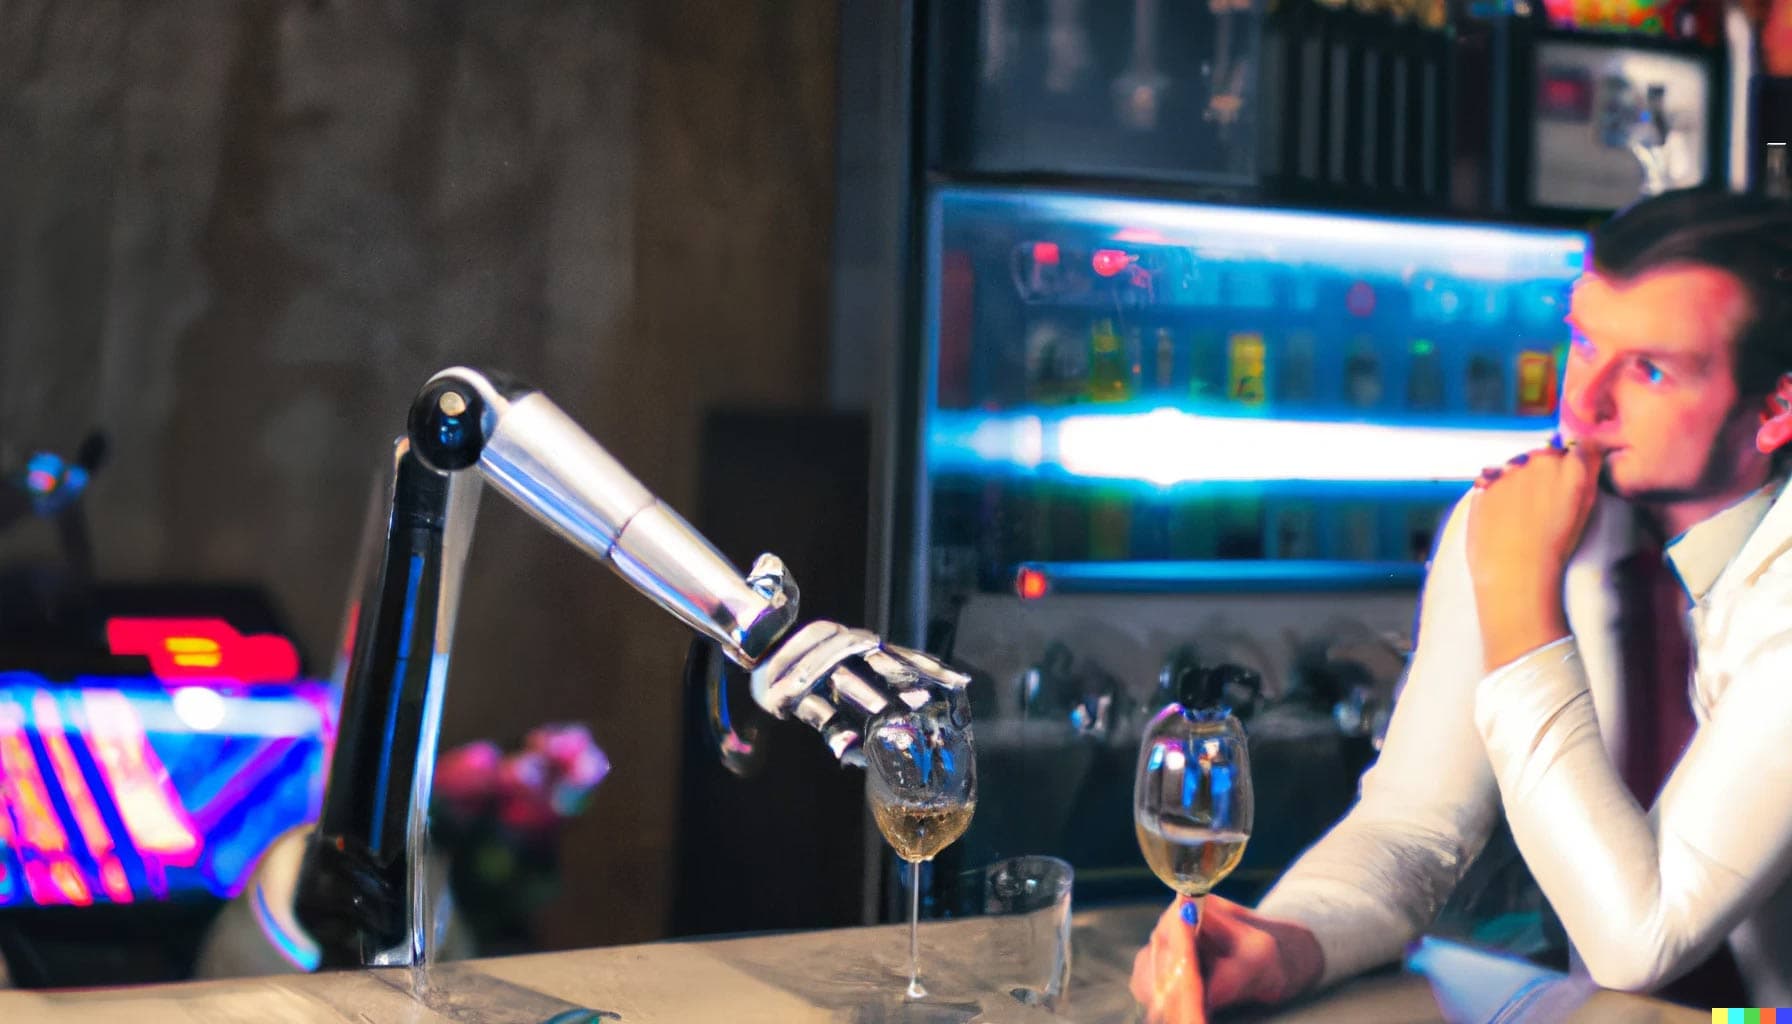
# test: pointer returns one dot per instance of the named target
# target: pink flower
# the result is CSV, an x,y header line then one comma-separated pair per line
x,y
467,777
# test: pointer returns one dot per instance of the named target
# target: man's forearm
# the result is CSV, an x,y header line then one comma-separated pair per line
x,y
1368,888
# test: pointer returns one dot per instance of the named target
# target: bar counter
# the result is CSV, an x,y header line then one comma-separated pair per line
x,y
852,975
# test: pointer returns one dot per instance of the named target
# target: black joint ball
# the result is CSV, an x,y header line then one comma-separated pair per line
x,y
449,424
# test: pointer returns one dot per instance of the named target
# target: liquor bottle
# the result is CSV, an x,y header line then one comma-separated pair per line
x,y
1425,377
1486,386
1193,536
1163,361
1293,531
1238,521
1207,367
1033,518
1247,368
1110,369
1347,47
1047,345
1151,527
1536,383
1295,378
1110,525
1404,49
1070,523
1358,529
1422,522
958,284
1362,374
1373,86
1429,110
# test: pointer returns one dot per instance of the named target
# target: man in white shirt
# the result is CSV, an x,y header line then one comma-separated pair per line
x,y
1527,693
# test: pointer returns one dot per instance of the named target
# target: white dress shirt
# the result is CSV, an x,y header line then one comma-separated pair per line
x,y
1643,895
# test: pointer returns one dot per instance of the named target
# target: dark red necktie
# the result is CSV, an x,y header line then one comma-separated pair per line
x,y
1657,667
1659,724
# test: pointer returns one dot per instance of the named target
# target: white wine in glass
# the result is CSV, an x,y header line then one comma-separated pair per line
x,y
921,771
919,833
1192,802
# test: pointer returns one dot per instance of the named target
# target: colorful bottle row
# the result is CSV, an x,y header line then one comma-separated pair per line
x,y
1067,360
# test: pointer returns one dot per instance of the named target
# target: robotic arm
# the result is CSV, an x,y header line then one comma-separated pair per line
x,y
355,894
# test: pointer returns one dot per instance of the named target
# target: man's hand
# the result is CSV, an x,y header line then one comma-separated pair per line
x,y
1236,956
1526,520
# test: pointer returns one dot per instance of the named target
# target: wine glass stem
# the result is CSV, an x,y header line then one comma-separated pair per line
x,y
915,991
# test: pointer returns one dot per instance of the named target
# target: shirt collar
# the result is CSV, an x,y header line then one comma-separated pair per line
x,y
1701,554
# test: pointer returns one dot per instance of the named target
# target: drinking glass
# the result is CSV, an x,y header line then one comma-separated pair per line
x,y
1192,800
1026,913
922,783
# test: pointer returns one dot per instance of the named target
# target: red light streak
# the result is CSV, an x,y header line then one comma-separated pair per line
x,y
1108,262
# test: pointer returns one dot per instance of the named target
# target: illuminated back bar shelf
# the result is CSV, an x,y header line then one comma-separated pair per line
x,y
1129,394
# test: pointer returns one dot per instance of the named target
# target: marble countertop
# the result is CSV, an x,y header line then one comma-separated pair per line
x,y
852,975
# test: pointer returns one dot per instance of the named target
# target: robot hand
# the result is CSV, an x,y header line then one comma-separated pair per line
x,y
836,680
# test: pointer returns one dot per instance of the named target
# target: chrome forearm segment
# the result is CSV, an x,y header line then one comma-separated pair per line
x,y
535,455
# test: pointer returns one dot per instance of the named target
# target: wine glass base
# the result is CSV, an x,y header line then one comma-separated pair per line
x,y
916,990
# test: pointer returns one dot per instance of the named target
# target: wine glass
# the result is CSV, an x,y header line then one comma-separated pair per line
x,y
922,782
1191,802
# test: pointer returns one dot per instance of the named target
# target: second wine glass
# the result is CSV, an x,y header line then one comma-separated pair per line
x,y
922,783
1192,803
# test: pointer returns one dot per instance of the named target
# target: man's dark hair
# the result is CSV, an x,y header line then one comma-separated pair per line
x,y
1748,237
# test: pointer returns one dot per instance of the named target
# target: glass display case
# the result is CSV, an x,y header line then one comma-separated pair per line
x,y
1155,438
1127,394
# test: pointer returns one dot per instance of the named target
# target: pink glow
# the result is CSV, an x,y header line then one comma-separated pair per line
x,y
183,649
50,872
68,881
1150,235
80,799
139,783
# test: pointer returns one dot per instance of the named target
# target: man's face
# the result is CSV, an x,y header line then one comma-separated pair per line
x,y
1651,380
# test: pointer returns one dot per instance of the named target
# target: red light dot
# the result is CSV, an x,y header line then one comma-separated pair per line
x,y
1108,262
1030,584
1045,252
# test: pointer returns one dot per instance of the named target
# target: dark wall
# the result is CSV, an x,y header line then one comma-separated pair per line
x,y
238,234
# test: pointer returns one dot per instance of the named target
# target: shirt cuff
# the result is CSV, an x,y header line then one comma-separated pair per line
x,y
1354,933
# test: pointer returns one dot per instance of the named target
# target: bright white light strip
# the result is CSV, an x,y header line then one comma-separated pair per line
x,y
1019,441
1167,447
197,708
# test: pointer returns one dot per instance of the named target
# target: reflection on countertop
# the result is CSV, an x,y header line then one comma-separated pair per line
x,y
853,976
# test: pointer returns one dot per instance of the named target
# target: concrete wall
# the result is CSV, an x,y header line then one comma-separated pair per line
x,y
238,234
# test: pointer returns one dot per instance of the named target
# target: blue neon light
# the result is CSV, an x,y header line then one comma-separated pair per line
x,y
236,785
1171,577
